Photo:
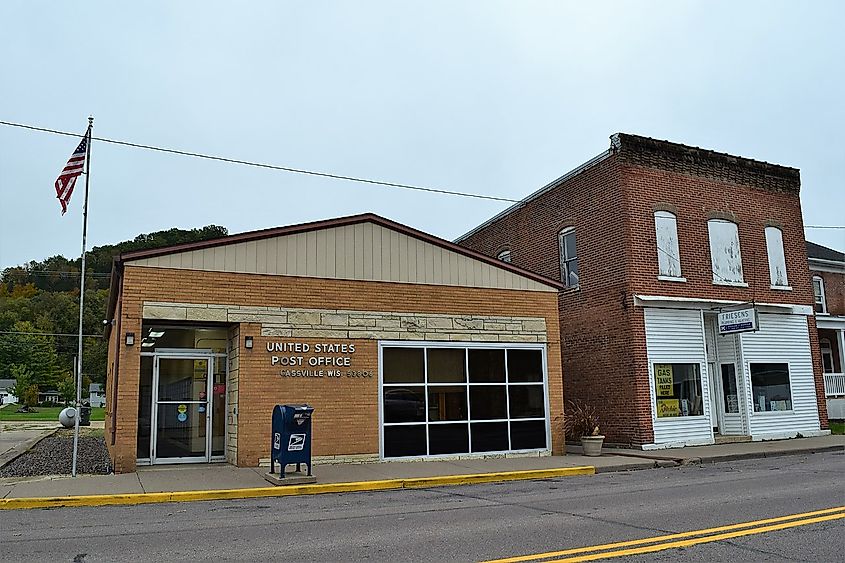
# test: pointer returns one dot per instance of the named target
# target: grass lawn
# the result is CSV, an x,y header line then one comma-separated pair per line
x,y
837,427
44,413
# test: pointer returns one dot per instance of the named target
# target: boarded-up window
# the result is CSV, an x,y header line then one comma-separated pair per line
x,y
724,252
777,261
668,254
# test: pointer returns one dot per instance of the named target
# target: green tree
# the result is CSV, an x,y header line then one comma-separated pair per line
x,y
67,388
23,379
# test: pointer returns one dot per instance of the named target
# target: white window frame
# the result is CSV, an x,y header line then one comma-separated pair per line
x,y
566,260
668,251
819,298
504,256
721,276
777,258
466,346
751,387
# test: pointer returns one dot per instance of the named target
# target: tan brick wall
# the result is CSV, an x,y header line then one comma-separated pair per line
x,y
340,429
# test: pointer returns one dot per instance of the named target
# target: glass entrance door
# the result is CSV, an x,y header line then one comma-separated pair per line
x,y
182,409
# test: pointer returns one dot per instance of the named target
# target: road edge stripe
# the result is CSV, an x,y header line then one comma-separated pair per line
x,y
292,490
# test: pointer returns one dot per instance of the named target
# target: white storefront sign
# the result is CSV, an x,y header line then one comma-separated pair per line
x,y
742,320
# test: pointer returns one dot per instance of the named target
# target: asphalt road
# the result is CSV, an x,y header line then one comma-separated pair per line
x,y
468,523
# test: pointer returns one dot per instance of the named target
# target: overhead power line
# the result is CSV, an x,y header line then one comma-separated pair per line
x,y
264,165
824,226
15,332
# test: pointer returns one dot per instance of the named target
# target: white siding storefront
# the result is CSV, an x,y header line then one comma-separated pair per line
x,y
775,387
782,339
676,336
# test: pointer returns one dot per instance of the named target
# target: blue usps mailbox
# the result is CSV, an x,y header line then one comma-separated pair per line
x,y
291,437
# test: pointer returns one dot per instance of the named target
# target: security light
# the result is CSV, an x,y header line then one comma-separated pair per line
x,y
130,338
248,342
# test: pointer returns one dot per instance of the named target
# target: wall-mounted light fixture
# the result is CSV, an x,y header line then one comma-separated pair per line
x,y
248,342
130,338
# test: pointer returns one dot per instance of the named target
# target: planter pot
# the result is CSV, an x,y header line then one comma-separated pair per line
x,y
592,445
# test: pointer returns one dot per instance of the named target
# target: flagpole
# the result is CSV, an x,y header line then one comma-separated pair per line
x,y
81,301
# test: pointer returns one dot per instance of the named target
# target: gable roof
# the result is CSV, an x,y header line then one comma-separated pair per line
x,y
820,252
146,257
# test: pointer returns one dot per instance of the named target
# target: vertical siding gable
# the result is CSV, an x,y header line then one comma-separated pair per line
x,y
363,251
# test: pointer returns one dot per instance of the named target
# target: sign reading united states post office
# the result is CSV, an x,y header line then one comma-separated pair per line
x,y
741,320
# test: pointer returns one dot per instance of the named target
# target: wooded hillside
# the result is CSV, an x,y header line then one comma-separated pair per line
x,y
43,297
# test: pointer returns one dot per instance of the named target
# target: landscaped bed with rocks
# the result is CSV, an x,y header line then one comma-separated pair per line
x,y
54,456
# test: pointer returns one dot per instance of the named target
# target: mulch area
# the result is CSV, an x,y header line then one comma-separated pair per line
x,y
54,456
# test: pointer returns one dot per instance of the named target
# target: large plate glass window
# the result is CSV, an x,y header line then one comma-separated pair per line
x,y
770,389
678,390
440,400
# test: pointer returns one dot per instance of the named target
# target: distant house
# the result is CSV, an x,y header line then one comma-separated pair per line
x,y
97,395
51,396
827,267
6,395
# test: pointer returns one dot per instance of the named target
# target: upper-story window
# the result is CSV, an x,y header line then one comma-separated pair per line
x,y
568,257
504,256
668,253
777,261
725,256
818,294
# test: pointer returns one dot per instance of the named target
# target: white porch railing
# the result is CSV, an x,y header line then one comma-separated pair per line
x,y
834,384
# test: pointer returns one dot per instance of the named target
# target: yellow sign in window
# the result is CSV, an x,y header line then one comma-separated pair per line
x,y
668,407
664,382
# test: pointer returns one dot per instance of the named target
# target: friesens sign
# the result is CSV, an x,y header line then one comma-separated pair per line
x,y
741,320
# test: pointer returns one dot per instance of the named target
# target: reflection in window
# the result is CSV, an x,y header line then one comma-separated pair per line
x,y
770,388
729,388
678,390
448,400
568,258
403,365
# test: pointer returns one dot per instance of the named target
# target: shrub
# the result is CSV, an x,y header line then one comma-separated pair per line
x,y
580,419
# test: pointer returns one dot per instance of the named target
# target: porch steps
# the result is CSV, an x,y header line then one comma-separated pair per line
x,y
731,439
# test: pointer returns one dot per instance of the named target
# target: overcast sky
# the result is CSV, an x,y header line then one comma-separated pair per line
x,y
494,98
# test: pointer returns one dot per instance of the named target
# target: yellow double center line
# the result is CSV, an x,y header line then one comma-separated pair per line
x,y
683,539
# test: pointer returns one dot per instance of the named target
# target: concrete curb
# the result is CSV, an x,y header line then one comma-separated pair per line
x,y
292,490
24,447
761,455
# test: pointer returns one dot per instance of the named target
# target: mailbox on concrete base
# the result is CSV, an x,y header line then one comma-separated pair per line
x,y
291,437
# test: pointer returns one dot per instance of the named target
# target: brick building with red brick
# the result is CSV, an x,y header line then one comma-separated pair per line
x,y
655,243
406,345
827,266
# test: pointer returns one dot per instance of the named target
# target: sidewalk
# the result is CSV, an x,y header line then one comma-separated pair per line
x,y
240,482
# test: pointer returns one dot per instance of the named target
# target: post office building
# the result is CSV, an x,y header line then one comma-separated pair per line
x,y
406,345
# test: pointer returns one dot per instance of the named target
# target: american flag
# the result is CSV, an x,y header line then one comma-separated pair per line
x,y
67,179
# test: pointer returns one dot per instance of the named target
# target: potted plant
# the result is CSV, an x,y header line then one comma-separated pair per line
x,y
581,422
